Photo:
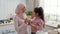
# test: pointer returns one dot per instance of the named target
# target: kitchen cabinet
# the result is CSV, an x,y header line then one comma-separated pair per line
x,y
7,29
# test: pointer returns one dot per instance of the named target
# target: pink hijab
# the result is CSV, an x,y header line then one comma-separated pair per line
x,y
19,12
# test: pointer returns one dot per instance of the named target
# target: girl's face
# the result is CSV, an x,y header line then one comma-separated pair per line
x,y
34,14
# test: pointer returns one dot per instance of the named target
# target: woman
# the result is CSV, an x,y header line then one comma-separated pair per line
x,y
19,19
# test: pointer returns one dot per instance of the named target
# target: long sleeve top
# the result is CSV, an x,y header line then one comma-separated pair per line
x,y
20,26
38,23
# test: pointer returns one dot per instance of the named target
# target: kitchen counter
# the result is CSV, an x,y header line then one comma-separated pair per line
x,y
7,29
52,24
10,27
7,24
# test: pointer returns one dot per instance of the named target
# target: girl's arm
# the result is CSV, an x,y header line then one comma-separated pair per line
x,y
33,25
40,25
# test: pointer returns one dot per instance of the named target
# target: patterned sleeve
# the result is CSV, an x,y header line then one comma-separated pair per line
x,y
40,25
15,23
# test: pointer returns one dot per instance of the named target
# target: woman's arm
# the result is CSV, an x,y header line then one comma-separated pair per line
x,y
21,26
16,23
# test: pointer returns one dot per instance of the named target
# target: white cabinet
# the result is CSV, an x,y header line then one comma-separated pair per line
x,y
9,29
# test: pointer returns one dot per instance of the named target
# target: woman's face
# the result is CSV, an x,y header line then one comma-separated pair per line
x,y
22,9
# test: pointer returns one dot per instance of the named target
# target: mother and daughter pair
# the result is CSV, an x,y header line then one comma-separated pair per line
x,y
21,21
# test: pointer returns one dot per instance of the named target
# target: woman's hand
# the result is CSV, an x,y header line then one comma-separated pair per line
x,y
27,21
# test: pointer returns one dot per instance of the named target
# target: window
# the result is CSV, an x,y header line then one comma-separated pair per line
x,y
51,6
51,9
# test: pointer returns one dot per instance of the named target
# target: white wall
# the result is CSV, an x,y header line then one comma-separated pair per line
x,y
7,7
30,5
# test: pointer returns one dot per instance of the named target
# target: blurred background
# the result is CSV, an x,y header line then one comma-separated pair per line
x,y
51,13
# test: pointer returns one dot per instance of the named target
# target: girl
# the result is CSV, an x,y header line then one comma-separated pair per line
x,y
19,24
38,20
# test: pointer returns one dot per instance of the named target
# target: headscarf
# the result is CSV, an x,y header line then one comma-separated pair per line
x,y
18,7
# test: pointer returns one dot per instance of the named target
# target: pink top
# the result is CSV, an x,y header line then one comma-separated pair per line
x,y
39,24
20,26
